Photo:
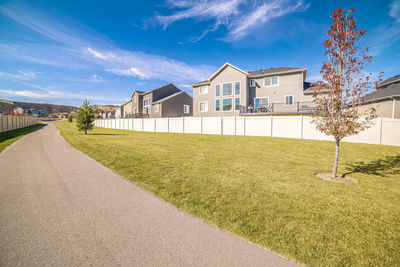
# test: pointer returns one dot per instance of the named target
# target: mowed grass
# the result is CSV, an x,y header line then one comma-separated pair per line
x,y
264,189
9,137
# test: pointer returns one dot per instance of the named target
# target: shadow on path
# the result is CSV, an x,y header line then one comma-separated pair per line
x,y
381,167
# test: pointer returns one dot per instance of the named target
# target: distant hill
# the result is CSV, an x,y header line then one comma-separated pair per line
x,y
7,105
103,108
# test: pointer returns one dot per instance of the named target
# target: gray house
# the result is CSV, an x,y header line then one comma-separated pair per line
x,y
231,91
386,99
162,102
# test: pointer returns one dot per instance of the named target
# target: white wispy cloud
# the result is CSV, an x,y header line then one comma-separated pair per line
x,y
21,75
385,35
24,93
240,17
394,11
80,48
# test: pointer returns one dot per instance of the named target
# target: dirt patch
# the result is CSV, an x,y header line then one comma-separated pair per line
x,y
337,179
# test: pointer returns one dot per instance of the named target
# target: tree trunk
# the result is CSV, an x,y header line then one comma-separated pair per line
x,y
85,131
335,165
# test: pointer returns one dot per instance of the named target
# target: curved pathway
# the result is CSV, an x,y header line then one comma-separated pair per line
x,y
58,207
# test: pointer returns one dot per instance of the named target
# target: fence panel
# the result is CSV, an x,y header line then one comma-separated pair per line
x,y
176,125
148,125
8,123
258,126
162,125
212,125
384,131
192,124
286,126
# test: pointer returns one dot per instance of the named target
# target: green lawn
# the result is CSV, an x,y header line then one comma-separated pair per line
x,y
264,189
9,137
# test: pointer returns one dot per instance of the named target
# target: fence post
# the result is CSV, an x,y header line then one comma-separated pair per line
x,y
380,131
234,117
168,125
155,124
272,125
301,127
201,125
244,125
222,125
183,124
142,124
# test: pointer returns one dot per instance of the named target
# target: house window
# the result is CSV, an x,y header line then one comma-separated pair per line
x,y
289,100
271,81
146,106
237,88
260,102
217,108
227,89
217,90
237,103
252,83
156,107
203,106
227,104
186,109
203,90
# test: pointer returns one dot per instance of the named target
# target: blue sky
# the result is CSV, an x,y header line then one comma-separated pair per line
x,y
66,51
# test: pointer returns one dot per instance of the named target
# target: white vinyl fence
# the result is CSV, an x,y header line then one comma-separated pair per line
x,y
385,131
8,123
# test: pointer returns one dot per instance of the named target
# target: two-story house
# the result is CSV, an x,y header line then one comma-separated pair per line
x,y
231,91
162,102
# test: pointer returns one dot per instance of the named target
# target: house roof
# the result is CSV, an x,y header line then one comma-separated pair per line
x,y
392,90
170,96
390,80
273,71
253,73
147,92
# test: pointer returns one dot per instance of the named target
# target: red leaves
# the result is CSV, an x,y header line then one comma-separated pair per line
x,y
345,83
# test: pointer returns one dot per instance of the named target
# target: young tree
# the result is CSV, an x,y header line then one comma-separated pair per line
x,y
70,119
85,119
345,83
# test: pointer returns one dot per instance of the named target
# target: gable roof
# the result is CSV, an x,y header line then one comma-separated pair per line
x,y
223,67
253,73
169,97
273,71
139,92
390,80
392,90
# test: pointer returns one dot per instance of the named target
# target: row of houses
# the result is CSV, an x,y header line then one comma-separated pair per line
x,y
231,91
29,112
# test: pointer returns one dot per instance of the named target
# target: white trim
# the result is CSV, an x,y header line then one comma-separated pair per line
x,y
284,101
215,105
184,110
254,83
206,87
222,104
223,66
261,97
234,87
203,102
234,103
215,90
222,95
271,81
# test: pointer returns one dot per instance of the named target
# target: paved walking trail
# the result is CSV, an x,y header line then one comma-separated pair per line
x,y
58,207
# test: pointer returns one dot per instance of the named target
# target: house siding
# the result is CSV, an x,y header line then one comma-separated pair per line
x,y
227,75
173,107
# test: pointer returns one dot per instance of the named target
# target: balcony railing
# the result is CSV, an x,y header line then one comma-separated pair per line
x,y
279,108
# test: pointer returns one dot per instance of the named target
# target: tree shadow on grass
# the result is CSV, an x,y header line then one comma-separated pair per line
x,y
380,167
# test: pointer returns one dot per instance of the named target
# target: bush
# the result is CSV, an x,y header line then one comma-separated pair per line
x,y
70,119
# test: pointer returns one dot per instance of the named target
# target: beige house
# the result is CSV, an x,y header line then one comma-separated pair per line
x,y
162,102
231,91
386,99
